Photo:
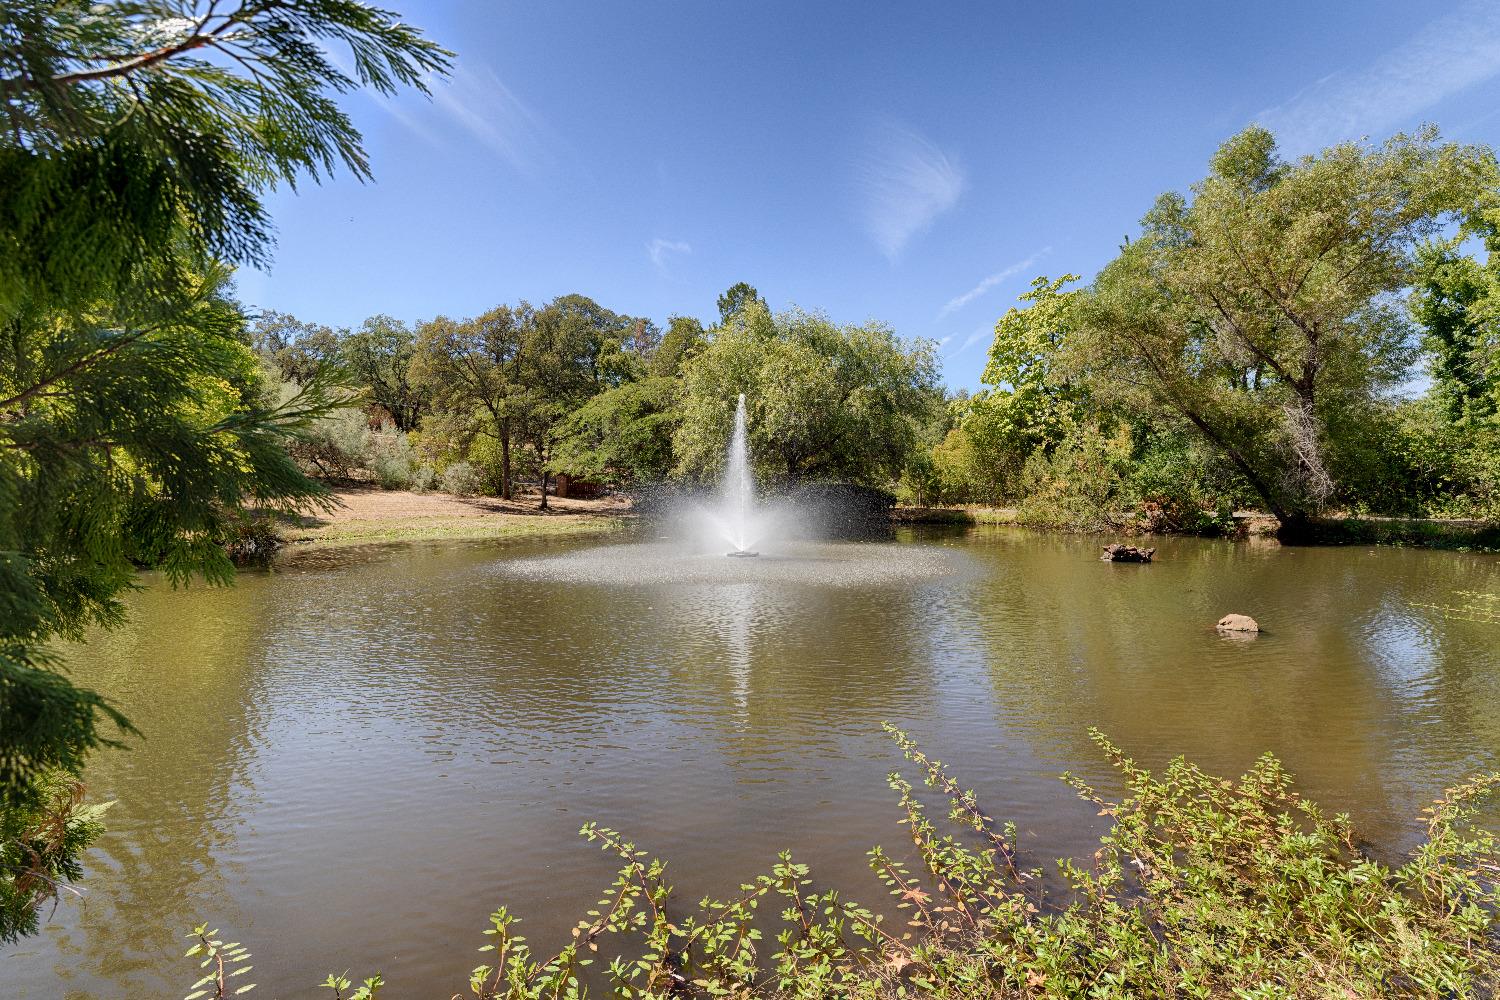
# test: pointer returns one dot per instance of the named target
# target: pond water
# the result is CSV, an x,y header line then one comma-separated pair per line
x,y
349,765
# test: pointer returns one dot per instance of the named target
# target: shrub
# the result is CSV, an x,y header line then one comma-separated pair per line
x,y
982,470
1410,460
1080,484
1202,888
42,843
335,446
1177,487
462,480
254,542
424,478
921,483
392,459
485,458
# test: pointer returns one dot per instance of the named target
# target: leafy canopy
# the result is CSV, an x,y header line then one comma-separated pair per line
x,y
1264,311
138,140
825,401
167,113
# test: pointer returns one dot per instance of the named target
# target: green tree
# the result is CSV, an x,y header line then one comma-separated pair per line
x,y
472,372
683,339
575,350
119,114
622,436
971,465
1456,299
1262,313
139,140
736,299
825,401
1029,401
297,350
378,356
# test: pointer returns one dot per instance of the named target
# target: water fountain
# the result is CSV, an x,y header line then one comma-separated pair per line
x,y
736,518
769,545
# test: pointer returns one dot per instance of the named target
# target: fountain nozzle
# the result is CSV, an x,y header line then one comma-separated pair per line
x,y
742,554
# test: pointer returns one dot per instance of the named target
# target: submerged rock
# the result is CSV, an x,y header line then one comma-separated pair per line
x,y
1238,623
1127,553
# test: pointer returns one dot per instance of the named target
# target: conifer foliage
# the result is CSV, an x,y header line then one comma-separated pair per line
x,y
137,142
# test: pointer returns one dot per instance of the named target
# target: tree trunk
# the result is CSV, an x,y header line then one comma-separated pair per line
x,y
1258,483
543,505
1294,527
505,487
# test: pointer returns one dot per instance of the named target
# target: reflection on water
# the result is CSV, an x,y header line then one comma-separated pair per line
x,y
349,765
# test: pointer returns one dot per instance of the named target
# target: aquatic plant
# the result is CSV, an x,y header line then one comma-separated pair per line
x,y
41,849
1202,888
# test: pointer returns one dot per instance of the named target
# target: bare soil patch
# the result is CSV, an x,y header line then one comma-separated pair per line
x,y
368,515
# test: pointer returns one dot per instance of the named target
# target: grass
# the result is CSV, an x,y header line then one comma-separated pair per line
x,y
439,528
953,515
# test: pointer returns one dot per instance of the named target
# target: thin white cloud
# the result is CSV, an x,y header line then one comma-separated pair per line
x,y
979,334
476,100
956,303
905,182
1448,55
660,251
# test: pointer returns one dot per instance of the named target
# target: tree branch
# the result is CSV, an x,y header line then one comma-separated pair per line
x,y
125,340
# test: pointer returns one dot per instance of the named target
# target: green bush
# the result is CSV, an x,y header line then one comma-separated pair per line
x,y
1080,484
976,469
42,842
1202,888
424,478
254,540
921,483
487,460
334,446
462,480
1410,460
1177,487
391,459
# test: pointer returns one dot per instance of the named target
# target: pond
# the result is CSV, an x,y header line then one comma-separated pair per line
x,y
349,765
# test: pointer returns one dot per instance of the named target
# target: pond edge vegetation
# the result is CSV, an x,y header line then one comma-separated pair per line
x,y
1202,887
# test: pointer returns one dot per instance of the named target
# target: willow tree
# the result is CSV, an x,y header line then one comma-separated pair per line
x,y
1263,311
137,142
826,402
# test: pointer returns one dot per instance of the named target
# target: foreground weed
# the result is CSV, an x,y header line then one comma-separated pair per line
x,y
1202,888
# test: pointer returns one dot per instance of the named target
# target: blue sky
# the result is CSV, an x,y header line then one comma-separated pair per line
x,y
911,163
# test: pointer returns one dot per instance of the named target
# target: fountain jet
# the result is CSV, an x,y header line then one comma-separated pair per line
x,y
737,518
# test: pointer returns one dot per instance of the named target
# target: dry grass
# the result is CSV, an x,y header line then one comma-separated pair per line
x,y
367,516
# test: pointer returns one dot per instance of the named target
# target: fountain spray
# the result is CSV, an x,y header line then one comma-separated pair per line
x,y
739,488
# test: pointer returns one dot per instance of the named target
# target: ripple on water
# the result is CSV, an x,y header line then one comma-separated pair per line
x,y
819,564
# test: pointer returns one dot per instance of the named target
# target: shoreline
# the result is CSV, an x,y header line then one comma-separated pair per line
x,y
1418,532
368,515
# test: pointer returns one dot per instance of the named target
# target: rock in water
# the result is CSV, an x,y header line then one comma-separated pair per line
x,y
1126,553
1237,623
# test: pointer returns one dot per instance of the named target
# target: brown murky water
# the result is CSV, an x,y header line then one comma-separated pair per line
x,y
348,766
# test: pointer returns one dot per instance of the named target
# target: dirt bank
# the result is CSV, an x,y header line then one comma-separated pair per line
x,y
367,515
